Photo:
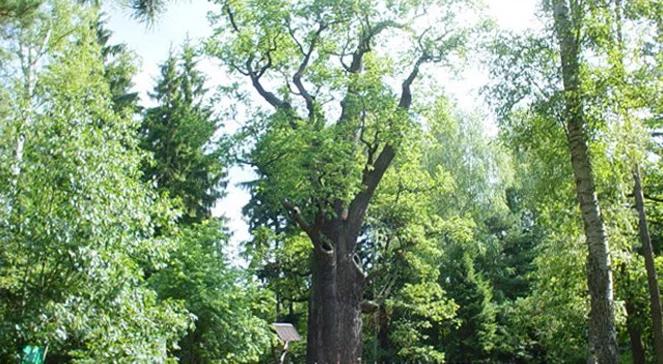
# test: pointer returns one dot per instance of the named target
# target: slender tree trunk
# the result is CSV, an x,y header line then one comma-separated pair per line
x,y
334,325
634,334
383,335
647,252
25,120
650,266
602,333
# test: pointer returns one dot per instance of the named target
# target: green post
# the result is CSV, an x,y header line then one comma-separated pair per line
x,y
33,355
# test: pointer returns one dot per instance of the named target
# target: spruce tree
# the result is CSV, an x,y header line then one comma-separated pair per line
x,y
76,224
119,69
472,338
180,133
186,164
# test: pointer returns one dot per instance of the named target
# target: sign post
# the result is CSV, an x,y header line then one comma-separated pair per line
x,y
286,333
34,355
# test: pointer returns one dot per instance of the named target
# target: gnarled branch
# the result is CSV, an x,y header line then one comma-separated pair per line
x,y
297,78
256,74
296,215
374,173
406,94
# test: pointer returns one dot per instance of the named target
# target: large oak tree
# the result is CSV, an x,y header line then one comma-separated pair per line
x,y
341,109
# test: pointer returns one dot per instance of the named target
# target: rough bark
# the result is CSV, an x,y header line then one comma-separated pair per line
x,y
602,333
334,324
650,266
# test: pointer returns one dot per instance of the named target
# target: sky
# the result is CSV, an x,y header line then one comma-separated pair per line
x,y
188,19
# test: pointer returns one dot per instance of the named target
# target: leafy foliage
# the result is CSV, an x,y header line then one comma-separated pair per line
x,y
469,246
77,220
229,310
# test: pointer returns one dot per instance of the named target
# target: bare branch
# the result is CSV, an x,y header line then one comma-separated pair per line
x,y
363,47
344,53
426,56
370,180
297,78
255,75
286,81
373,172
406,95
360,269
267,95
231,18
294,38
296,215
365,43
239,69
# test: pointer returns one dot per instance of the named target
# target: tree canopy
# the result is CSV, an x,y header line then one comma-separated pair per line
x,y
388,223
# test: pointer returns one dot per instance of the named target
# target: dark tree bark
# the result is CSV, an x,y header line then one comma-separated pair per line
x,y
634,334
650,266
602,333
335,323
334,326
384,343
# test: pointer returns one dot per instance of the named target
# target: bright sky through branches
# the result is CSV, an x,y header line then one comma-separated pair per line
x,y
189,19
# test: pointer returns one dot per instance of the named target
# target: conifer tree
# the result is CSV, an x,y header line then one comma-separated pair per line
x,y
180,133
119,69
76,223
186,164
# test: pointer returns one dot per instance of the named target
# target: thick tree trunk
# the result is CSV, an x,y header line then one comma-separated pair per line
x,y
634,334
602,333
650,266
334,324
